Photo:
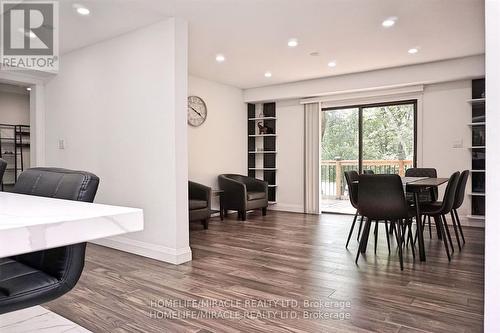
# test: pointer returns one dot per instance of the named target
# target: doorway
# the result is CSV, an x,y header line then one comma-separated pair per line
x,y
376,138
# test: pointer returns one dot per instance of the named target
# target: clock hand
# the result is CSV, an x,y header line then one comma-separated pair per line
x,y
199,114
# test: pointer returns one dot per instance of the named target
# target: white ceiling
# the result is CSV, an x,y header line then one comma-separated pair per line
x,y
253,34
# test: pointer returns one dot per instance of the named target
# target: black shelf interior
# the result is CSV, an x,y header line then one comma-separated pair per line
x,y
268,144
478,184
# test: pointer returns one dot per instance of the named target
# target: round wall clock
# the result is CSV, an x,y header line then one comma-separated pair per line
x,y
197,111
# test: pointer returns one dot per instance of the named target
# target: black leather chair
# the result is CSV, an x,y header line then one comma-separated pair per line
x,y
200,198
382,198
351,177
242,193
429,195
438,210
34,278
3,166
459,200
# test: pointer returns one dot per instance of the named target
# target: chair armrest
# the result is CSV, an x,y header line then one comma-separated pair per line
x,y
235,193
199,192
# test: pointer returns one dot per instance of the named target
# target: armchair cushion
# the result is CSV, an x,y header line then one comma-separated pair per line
x,y
197,204
256,195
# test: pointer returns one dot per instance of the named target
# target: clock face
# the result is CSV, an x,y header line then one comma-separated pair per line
x,y
197,111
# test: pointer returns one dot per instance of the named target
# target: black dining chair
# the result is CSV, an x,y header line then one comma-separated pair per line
x,y
351,177
439,209
382,198
34,278
459,200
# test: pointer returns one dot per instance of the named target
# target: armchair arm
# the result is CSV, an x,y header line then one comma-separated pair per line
x,y
199,192
235,193
256,185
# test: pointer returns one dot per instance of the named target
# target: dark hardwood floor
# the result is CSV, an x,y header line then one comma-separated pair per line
x,y
294,260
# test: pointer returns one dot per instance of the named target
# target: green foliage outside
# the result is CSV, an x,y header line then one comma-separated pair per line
x,y
387,133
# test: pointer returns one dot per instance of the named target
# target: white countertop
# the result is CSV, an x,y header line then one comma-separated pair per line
x,y
30,223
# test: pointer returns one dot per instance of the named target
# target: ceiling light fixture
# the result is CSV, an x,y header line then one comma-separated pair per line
x,y
389,22
84,11
29,89
332,64
413,50
220,58
268,74
293,42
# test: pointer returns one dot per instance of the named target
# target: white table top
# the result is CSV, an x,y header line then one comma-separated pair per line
x,y
30,223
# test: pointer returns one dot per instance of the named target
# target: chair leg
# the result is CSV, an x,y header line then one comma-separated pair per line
x,y
264,211
459,224
225,213
430,226
376,235
352,228
205,223
400,237
391,229
243,215
439,227
360,226
364,239
445,223
456,231
438,230
387,236
411,242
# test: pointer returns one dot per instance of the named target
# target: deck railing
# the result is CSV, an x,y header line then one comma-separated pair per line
x,y
333,170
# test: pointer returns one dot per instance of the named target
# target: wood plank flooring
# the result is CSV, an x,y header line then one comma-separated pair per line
x,y
272,274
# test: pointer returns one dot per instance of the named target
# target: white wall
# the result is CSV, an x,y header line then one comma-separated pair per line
x,y
14,107
444,115
220,144
492,231
119,105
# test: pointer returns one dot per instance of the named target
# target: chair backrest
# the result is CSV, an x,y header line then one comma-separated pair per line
x,y
64,262
58,183
350,177
368,172
425,172
381,197
460,193
449,193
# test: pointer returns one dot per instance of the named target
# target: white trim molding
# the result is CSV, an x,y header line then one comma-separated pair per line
x,y
153,251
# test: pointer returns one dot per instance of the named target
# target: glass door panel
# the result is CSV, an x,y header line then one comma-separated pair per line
x,y
388,134
339,153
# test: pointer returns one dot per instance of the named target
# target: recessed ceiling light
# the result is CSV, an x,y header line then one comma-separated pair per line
x,y
82,10
389,22
268,74
293,42
332,64
29,89
220,58
413,50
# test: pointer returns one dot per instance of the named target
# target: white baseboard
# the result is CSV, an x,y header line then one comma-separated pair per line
x,y
287,207
153,251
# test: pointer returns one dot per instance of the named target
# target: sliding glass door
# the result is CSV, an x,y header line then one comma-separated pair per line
x,y
378,138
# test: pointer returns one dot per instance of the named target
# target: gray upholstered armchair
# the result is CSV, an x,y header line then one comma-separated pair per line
x,y
243,193
199,203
